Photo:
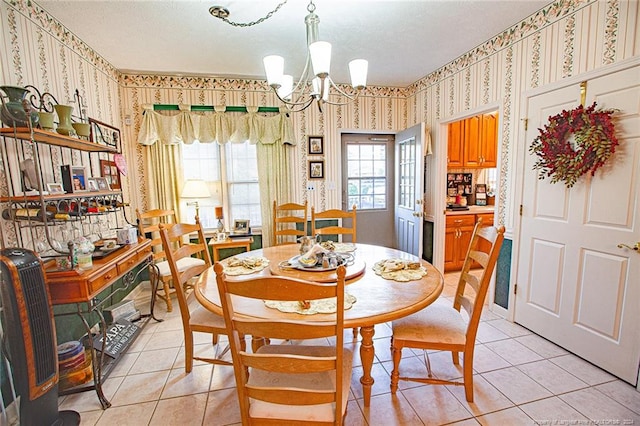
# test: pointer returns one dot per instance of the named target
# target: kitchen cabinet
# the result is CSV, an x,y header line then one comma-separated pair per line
x,y
458,231
473,142
456,241
489,140
455,143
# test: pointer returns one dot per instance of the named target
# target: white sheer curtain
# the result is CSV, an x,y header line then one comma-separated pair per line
x,y
273,134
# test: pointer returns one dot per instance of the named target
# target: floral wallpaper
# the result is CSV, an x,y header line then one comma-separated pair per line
x,y
39,50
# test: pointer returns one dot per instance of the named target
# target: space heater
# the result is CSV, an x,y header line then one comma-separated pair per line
x,y
30,338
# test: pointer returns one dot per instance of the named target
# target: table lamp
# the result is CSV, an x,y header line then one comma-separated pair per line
x,y
220,216
195,188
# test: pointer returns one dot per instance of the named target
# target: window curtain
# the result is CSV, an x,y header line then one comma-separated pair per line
x,y
161,134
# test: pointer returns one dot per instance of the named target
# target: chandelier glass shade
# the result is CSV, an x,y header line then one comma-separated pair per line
x,y
315,81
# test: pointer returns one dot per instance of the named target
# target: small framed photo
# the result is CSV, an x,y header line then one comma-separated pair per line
x,y
105,135
316,145
241,226
73,178
103,184
55,188
110,172
221,237
92,184
316,169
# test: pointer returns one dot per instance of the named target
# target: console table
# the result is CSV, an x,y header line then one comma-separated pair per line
x,y
82,288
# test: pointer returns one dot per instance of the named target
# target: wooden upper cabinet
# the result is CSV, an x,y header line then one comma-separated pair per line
x,y
490,140
473,142
455,142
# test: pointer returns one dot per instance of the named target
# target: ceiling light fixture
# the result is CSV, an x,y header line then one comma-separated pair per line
x,y
316,71
315,81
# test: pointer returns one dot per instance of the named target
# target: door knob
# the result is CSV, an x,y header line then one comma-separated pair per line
x,y
636,247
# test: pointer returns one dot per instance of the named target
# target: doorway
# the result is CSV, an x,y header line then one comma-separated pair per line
x,y
368,183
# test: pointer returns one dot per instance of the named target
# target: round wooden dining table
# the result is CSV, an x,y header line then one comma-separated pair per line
x,y
378,300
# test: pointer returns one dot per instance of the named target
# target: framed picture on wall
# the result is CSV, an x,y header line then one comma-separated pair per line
x,y
105,135
316,169
316,145
110,172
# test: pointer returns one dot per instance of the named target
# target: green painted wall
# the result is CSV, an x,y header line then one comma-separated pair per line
x,y
503,274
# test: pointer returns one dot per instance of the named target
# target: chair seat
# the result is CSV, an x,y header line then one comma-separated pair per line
x,y
436,323
205,318
316,381
184,263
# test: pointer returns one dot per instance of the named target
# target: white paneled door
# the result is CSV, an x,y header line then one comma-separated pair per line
x,y
408,194
576,287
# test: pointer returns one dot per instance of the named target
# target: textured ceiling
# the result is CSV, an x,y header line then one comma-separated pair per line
x,y
403,40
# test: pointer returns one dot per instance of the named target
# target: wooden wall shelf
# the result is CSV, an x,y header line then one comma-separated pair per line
x,y
56,139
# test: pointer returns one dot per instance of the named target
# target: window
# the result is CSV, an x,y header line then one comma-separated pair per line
x,y
367,175
242,183
231,171
407,164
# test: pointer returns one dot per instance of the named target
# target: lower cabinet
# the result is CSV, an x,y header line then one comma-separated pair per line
x,y
457,236
459,229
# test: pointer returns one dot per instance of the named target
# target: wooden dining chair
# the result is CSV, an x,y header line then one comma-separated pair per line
x,y
443,327
148,225
288,383
286,220
341,229
194,319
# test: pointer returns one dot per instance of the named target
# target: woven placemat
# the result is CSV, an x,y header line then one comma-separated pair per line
x,y
320,306
245,265
399,270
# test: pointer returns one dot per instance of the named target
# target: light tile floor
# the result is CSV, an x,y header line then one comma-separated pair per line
x,y
521,379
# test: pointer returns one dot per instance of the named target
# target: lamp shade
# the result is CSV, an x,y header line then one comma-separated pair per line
x,y
358,70
274,68
195,188
320,52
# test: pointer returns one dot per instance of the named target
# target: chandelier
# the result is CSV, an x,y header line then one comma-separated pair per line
x,y
315,82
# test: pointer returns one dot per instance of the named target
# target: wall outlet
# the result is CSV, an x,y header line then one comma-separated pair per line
x,y
311,186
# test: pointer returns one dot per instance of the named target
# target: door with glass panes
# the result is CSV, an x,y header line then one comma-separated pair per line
x,y
368,184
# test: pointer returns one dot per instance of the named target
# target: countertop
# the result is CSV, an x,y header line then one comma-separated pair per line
x,y
472,210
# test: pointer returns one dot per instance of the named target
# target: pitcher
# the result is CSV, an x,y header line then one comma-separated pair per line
x,y
16,108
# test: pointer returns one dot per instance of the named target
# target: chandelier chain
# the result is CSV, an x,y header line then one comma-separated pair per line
x,y
256,22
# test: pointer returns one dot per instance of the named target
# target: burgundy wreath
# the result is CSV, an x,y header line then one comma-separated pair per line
x,y
566,159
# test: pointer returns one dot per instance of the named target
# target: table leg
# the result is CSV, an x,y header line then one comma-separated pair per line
x,y
367,353
154,279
